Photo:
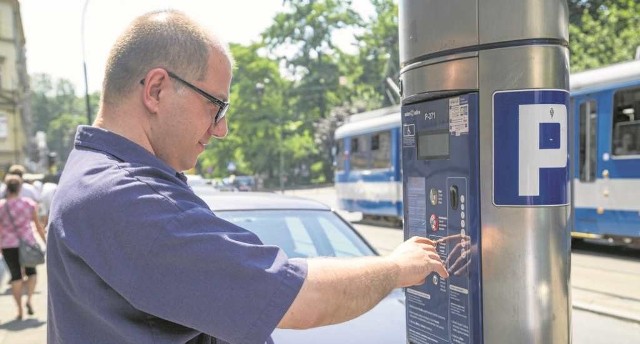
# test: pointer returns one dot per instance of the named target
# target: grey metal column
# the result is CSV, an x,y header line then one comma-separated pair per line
x,y
457,46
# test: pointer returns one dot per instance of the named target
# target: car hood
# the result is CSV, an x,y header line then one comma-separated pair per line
x,y
385,323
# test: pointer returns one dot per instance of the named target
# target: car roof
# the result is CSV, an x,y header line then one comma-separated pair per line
x,y
229,201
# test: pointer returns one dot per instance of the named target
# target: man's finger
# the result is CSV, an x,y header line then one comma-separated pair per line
x,y
434,256
423,240
440,270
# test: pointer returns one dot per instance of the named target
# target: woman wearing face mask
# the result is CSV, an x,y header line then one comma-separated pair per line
x,y
16,215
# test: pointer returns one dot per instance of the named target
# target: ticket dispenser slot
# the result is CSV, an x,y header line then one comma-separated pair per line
x,y
441,194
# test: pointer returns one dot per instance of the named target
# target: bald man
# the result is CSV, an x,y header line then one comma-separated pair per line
x,y
135,257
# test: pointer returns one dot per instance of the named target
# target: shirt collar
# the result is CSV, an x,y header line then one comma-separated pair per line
x,y
121,148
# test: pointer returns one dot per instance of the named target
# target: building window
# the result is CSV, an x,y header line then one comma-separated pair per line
x,y
4,126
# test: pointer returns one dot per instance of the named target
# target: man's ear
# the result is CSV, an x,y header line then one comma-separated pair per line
x,y
154,84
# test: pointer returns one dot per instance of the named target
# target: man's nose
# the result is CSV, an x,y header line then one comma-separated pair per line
x,y
220,130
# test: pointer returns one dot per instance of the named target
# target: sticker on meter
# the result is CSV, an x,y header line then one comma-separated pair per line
x,y
530,154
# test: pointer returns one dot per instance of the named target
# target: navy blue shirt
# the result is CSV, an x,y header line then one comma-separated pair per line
x,y
135,257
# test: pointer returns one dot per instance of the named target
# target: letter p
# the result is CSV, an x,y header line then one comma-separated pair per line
x,y
542,131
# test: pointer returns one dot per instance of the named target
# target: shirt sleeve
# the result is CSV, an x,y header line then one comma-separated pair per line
x,y
208,274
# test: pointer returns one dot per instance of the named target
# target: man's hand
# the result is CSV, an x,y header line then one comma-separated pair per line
x,y
416,259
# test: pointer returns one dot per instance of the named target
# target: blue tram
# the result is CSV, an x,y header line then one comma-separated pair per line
x,y
605,129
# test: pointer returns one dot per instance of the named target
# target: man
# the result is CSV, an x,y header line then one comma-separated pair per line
x,y
135,257
46,196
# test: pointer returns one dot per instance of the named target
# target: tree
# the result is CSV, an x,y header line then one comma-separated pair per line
x,y
378,59
302,36
608,34
57,111
61,133
262,123
578,7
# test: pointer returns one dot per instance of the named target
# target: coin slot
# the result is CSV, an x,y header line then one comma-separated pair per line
x,y
453,197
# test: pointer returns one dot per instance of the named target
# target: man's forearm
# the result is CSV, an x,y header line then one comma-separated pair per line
x,y
338,290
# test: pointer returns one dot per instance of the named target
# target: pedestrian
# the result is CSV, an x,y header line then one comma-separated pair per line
x,y
16,217
49,186
134,256
28,190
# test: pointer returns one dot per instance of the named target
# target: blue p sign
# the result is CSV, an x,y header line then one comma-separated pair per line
x,y
530,154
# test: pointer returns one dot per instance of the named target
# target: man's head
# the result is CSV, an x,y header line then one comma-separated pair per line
x,y
167,79
17,170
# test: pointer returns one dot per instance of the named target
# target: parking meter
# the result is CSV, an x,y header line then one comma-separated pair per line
x,y
486,168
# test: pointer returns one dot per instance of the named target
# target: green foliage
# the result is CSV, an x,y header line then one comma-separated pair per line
x,y
323,76
303,36
61,133
378,57
57,111
291,91
263,128
607,34
578,7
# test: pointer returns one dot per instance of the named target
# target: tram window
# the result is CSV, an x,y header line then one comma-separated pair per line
x,y
339,158
360,152
626,122
381,150
626,136
375,142
588,129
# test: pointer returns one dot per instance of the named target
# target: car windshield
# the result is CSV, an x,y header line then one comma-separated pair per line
x,y
301,233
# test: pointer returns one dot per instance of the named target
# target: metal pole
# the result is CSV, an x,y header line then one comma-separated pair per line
x,y
84,65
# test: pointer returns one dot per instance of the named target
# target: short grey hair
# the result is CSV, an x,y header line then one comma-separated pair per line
x,y
167,39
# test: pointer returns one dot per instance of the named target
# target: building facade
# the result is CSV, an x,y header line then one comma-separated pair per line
x,y
15,110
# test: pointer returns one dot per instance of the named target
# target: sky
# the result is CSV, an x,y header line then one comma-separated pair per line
x,y
54,40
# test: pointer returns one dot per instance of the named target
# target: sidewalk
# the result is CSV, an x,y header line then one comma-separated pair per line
x,y
33,328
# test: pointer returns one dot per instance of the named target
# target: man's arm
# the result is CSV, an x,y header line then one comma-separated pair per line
x,y
337,290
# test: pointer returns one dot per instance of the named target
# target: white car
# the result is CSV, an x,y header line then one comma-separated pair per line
x,y
306,228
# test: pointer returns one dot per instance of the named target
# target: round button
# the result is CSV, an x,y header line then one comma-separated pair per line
x,y
433,222
462,223
462,215
435,279
462,207
461,198
463,232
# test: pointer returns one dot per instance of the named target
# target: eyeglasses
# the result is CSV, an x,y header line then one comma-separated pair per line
x,y
222,105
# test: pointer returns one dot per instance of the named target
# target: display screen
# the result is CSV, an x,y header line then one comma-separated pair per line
x,y
433,145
